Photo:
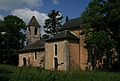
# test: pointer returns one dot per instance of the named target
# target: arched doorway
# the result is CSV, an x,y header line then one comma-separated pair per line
x,y
56,63
24,61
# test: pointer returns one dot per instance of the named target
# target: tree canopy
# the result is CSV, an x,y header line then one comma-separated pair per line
x,y
11,33
53,23
100,23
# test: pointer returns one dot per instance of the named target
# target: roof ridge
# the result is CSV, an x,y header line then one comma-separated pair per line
x,y
71,24
66,34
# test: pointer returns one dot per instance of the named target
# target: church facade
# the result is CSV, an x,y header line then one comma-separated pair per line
x,y
63,51
34,52
66,49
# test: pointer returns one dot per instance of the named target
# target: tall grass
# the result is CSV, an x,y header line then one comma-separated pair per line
x,y
13,73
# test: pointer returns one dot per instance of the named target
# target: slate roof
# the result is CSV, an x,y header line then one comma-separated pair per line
x,y
33,22
36,46
63,35
71,24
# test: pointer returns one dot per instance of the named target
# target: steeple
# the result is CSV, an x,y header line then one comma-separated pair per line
x,y
33,31
33,22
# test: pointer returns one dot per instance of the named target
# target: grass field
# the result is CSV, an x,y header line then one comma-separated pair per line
x,y
12,73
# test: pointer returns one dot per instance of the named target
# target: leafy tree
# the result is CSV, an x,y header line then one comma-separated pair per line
x,y
13,38
1,33
53,23
102,18
99,44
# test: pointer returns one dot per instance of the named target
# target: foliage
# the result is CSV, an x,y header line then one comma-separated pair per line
x,y
100,23
10,73
53,23
12,38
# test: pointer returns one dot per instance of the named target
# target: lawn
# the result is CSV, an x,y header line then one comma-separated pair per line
x,y
13,73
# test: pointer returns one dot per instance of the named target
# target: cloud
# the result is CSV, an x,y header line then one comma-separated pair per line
x,y
34,2
55,1
1,17
13,4
26,14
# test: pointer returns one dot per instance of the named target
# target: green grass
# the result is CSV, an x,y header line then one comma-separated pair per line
x,y
13,73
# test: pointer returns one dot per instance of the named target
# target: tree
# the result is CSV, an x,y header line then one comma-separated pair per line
x,y
13,38
99,44
100,17
53,23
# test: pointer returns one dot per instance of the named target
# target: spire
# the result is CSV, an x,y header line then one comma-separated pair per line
x,y
33,22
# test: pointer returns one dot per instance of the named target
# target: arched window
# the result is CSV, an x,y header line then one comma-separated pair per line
x,y
24,61
35,31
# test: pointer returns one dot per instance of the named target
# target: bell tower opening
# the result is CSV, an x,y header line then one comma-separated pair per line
x,y
35,31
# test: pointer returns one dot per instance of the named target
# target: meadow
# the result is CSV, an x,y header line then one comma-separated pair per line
x,y
13,73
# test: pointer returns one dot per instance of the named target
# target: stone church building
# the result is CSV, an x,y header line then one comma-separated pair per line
x,y
63,51
33,53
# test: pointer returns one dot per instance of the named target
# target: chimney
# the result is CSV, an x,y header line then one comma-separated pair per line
x,y
66,18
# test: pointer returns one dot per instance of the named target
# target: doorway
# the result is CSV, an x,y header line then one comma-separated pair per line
x,y
24,61
56,63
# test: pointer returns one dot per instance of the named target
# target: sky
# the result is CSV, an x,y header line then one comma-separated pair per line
x,y
25,9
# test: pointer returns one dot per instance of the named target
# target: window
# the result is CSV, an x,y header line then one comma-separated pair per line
x,y
29,30
55,50
35,56
35,31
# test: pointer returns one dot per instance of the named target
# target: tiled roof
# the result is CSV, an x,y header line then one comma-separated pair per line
x,y
63,35
33,22
71,24
36,46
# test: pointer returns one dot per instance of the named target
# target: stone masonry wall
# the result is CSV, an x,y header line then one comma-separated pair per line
x,y
30,59
83,53
74,56
50,55
30,34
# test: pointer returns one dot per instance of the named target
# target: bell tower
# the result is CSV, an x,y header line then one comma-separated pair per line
x,y
33,31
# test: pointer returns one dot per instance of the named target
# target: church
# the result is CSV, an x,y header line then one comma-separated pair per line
x,y
63,51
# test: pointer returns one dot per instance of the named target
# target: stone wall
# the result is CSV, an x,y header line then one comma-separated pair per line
x,y
83,53
50,55
31,37
31,60
74,55
71,53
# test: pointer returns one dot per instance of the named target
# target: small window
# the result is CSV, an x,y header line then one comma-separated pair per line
x,y
55,50
35,56
35,32
29,30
